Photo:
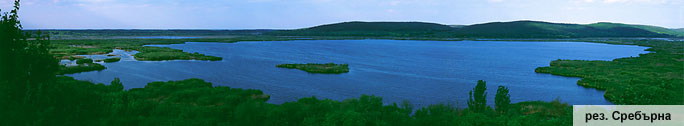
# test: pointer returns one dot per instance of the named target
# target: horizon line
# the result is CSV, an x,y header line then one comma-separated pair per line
x,y
225,29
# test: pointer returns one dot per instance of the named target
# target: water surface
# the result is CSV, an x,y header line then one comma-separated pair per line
x,y
423,72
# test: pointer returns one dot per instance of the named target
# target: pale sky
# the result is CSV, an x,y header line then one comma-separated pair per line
x,y
291,14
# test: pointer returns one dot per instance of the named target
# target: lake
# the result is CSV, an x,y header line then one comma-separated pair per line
x,y
423,72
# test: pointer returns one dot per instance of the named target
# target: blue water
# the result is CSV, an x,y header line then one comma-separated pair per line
x,y
423,72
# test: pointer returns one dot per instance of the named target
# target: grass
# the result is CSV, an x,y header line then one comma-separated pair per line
x,y
328,68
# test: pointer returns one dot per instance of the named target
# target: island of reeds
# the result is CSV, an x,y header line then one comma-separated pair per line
x,y
327,68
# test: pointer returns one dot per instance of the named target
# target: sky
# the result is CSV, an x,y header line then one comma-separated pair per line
x,y
293,14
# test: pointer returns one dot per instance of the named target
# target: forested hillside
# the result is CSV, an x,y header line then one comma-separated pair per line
x,y
515,29
374,29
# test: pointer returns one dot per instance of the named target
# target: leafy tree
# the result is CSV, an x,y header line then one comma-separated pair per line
x,y
26,69
345,118
478,97
116,85
26,63
502,99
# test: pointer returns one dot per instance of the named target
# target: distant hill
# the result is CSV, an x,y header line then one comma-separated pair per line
x,y
356,28
514,29
114,33
680,30
457,26
537,29
381,26
656,29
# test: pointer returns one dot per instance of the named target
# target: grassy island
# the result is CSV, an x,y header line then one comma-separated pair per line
x,y
85,67
84,61
165,53
68,49
111,60
328,68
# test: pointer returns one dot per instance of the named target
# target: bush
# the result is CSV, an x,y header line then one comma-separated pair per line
x,y
502,99
478,97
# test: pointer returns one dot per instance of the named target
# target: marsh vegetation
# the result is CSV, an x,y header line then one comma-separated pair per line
x,y
327,68
111,60
165,53
84,67
655,78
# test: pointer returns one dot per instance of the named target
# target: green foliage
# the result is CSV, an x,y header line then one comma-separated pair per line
x,y
72,58
80,68
502,99
196,102
328,68
111,60
165,53
186,102
84,61
116,85
62,101
24,61
654,78
26,71
477,100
